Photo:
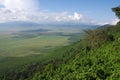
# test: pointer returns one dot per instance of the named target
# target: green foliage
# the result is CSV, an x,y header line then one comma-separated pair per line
x,y
117,11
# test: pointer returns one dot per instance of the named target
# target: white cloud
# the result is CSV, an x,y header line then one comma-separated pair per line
x,y
19,4
28,10
111,22
114,22
17,10
38,16
65,16
77,16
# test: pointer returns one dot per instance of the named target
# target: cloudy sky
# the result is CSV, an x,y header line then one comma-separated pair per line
x,y
48,11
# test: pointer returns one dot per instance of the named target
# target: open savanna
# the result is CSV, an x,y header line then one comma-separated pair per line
x,y
22,47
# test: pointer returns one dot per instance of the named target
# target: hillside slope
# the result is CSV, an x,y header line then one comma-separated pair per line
x,y
96,63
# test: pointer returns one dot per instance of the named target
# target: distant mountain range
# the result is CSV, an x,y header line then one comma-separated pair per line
x,y
21,25
104,26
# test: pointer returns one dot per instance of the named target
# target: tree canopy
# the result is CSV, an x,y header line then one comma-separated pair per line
x,y
117,11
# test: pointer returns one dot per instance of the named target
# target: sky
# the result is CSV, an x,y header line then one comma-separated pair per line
x,y
58,11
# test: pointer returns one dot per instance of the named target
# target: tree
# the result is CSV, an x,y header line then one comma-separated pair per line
x,y
117,11
94,38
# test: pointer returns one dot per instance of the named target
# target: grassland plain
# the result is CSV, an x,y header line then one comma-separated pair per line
x,y
18,52
23,47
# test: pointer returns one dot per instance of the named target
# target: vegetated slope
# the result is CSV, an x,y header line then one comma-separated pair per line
x,y
96,57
